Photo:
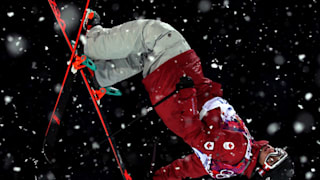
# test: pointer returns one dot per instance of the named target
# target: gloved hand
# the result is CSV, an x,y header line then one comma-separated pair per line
x,y
92,19
185,82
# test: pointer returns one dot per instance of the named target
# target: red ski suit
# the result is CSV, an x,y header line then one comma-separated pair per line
x,y
180,113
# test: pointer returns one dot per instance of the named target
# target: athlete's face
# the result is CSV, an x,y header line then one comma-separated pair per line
x,y
265,150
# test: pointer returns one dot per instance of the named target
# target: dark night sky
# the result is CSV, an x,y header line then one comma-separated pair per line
x,y
264,53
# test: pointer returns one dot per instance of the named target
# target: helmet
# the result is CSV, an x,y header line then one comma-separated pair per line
x,y
277,166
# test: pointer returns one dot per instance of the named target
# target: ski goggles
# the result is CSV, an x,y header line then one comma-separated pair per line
x,y
274,159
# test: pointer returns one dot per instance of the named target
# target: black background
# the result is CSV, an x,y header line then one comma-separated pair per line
x,y
268,51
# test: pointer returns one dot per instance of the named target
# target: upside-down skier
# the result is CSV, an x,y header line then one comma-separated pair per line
x,y
223,146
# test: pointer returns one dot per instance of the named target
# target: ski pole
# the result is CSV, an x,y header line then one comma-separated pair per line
x,y
62,25
185,82
106,129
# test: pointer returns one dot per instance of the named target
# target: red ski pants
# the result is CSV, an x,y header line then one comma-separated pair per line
x,y
180,112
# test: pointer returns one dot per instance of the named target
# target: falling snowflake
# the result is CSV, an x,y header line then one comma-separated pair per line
x,y
41,19
308,175
57,88
214,65
16,45
247,18
279,60
10,14
16,169
298,127
95,145
7,99
249,120
308,96
303,159
123,126
204,6
273,128
301,57
303,123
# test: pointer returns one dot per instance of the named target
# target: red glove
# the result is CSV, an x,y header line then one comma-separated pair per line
x,y
92,19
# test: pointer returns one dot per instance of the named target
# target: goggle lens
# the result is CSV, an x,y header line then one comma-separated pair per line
x,y
275,158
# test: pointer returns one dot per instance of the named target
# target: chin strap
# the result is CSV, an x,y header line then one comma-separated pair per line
x,y
262,171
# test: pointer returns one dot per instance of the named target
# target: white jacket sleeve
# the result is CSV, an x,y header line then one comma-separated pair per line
x,y
114,43
127,49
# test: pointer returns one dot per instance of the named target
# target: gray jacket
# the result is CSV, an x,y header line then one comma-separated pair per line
x,y
127,49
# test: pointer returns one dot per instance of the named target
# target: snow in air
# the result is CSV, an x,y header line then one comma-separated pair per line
x,y
226,3
303,123
57,88
16,45
16,169
247,18
71,15
7,99
308,175
303,159
123,126
300,106
238,41
279,60
249,120
151,58
308,96
302,57
50,176
41,19
10,14
204,6
144,111
273,128
95,145
298,127
214,65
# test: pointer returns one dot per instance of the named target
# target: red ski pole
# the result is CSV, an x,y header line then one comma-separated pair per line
x,y
62,25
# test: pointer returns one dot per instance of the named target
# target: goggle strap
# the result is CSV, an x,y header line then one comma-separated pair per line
x,y
265,167
261,172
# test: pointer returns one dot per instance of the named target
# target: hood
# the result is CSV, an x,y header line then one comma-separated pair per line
x,y
257,145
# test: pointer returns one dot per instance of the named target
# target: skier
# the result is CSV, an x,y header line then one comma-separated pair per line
x,y
223,146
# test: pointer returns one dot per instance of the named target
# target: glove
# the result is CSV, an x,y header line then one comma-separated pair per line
x,y
185,82
92,19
